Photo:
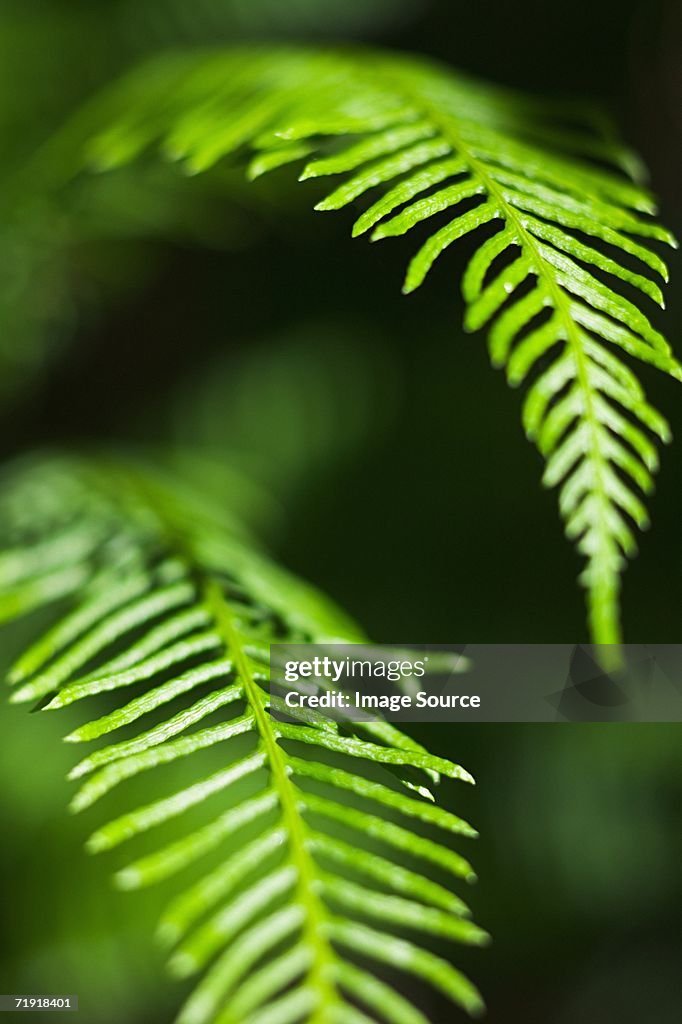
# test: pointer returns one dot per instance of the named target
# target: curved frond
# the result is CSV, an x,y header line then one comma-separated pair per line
x,y
309,846
564,260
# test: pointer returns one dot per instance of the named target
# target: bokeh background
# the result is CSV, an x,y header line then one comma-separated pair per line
x,y
386,464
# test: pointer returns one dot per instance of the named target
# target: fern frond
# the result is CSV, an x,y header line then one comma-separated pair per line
x,y
566,227
318,860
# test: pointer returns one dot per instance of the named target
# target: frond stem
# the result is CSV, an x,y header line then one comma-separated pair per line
x,y
602,599
315,914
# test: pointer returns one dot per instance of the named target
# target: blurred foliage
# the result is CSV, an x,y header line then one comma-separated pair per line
x,y
291,409
81,46
65,262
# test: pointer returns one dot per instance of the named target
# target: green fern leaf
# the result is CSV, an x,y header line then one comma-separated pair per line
x,y
317,860
565,228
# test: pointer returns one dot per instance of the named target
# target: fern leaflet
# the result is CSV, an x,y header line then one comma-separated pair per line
x,y
171,605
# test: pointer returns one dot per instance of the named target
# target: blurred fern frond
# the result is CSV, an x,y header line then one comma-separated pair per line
x,y
53,56
564,260
170,614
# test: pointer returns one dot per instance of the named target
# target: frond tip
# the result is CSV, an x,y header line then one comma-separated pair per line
x,y
566,231
310,855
